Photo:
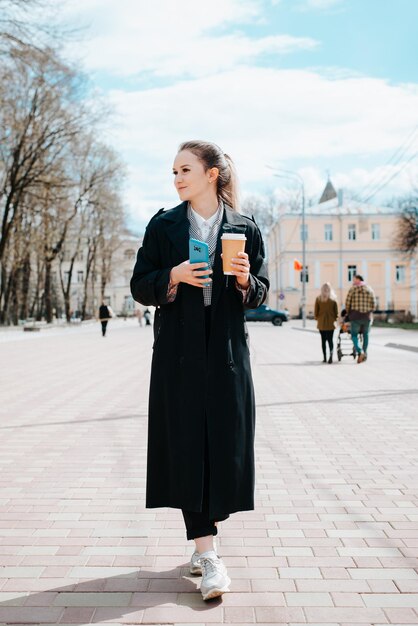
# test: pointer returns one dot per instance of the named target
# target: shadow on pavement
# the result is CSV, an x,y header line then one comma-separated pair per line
x,y
95,419
292,364
103,599
359,397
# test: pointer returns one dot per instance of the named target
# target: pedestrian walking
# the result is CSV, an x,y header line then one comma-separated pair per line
x,y
140,315
105,313
326,314
360,304
147,317
201,406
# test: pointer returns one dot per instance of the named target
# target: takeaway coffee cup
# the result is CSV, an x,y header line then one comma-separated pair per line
x,y
232,243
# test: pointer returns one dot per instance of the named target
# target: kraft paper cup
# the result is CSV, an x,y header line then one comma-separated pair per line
x,y
232,243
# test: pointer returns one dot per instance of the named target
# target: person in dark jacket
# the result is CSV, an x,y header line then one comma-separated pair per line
x,y
201,406
105,313
326,314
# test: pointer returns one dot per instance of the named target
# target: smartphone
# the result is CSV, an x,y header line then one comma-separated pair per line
x,y
199,253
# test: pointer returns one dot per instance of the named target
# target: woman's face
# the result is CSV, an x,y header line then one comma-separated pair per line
x,y
190,178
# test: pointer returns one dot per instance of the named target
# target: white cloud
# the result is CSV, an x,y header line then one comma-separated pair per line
x,y
263,116
169,40
321,5
304,119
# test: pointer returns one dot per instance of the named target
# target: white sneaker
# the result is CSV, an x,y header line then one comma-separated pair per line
x,y
195,567
215,579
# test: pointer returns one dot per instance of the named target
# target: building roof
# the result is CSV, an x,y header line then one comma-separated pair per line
x,y
328,193
340,206
350,207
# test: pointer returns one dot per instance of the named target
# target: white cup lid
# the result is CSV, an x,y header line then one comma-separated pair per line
x,y
239,236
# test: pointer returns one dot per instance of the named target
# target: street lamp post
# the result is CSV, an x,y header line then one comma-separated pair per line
x,y
295,176
303,260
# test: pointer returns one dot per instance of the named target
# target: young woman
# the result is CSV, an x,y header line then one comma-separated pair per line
x,y
326,313
201,405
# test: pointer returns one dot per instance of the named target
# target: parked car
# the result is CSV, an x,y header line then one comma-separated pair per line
x,y
265,314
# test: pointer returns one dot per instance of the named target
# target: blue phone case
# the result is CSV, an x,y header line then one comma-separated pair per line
x,y
199,253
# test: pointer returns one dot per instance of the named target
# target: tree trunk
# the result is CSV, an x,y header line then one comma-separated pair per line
x,y
47,292
24,305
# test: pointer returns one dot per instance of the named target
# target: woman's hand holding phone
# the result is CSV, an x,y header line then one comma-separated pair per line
x,y
190,273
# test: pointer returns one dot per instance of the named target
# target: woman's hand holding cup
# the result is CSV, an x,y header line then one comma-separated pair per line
x,y
195,274
241,269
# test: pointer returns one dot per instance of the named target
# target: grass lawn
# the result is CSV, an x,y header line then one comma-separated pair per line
x,y
405,326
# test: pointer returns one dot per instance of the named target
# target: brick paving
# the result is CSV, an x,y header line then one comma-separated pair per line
x,y
333,540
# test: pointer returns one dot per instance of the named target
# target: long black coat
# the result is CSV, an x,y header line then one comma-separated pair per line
x,y
194,388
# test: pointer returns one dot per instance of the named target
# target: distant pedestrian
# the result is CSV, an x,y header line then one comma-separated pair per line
x,y
147,316
360,304
326,314
105,313
140,316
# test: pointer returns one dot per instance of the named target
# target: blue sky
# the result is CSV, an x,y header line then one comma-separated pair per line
x,y
373,37
307,85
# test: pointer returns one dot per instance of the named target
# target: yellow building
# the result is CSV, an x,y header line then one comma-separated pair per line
x,y
342,238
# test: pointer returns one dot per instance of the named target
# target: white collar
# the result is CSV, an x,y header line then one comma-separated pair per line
x,y
212,219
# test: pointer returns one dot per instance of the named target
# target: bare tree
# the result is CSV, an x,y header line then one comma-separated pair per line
x,y
105,228
95,170
31,25
53,174
264,209
406,237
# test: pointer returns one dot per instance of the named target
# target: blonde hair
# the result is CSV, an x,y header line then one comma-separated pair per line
x,y
327,292
211,155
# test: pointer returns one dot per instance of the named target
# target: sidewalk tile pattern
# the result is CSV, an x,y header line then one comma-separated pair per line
x,y
333,539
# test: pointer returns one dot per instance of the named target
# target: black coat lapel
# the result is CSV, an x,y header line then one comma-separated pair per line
x,y
178,229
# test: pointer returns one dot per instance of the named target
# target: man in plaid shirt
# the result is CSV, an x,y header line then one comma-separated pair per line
x,y
360,304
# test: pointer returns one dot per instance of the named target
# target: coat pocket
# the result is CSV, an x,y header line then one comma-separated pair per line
x,y
230,354
157,327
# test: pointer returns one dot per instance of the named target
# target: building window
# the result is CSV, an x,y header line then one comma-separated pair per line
x,y
328,232
375,232
352,271
352,232
80,276
66,277
304,233
400,273
128,304
306,273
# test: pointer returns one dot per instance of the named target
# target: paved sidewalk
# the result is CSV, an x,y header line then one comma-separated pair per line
x,y
334,538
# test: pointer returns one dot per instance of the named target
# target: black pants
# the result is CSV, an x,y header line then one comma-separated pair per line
x,y
104,326
198,524
327,336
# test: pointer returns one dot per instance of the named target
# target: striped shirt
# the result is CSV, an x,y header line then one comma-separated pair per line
x,y
206,230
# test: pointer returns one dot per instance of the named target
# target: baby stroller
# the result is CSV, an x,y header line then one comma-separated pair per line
x,y
345,346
